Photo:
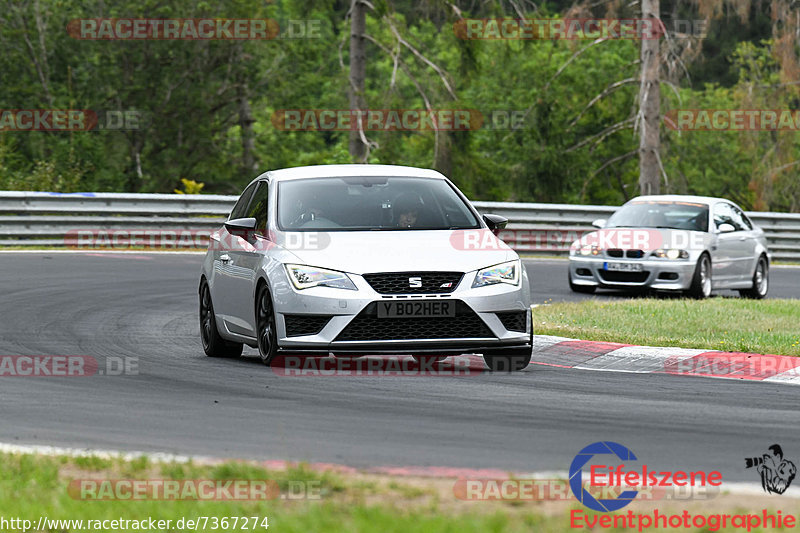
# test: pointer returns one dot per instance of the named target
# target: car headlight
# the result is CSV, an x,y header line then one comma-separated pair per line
x,y
590,249
671,253
305,277
503,273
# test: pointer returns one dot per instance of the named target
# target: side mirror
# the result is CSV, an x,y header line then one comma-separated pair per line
x,y
241,227
600,223
495,222
726,228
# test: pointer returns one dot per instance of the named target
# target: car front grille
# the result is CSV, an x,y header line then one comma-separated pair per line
x,y
514,320
632,254
401,282
366,326
624,277
298,325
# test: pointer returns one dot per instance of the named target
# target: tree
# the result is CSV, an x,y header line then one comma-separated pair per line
x,y
649,115
357,78
359,144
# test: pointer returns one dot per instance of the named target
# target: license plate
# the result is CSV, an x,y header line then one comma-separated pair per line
x,y
416,309
623,267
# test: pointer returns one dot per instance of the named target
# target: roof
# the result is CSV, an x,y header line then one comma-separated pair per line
x,y
708,200
335,171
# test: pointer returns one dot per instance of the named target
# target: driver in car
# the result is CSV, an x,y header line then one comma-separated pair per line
x,y
308,210
408,206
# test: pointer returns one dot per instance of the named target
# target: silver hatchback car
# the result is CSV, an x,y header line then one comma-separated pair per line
x,y
695,244
353,260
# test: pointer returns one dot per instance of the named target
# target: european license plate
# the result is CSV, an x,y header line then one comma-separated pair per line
x,y
416,309
623,267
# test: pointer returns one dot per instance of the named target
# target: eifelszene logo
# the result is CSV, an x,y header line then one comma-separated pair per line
x,y
603,475
576,478
776,472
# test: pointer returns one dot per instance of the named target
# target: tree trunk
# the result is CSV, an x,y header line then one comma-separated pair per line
x,y
135,176
444,155
358,67
649,108
248,137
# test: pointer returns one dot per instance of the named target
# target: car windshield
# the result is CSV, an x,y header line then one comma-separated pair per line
x,y
371,203
661,214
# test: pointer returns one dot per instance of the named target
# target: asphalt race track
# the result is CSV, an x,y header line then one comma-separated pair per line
x,y
144,306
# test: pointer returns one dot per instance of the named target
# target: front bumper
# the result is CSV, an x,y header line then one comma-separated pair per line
x,y
343,307
657,274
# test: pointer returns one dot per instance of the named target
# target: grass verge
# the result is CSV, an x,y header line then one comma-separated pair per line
x,y
729,324
33,486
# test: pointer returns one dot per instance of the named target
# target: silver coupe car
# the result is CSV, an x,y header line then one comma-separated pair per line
x,y
694,244
351,260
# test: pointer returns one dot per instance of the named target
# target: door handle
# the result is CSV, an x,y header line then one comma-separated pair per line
x,y
225,258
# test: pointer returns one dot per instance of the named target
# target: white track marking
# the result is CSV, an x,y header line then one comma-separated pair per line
x,y
638,359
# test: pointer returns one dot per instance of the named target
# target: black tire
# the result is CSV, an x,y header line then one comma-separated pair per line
x,y
509,361
213,344
760,286
701,281
266,331
584,289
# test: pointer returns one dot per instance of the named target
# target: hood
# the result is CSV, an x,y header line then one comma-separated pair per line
x,y
647,239
361,252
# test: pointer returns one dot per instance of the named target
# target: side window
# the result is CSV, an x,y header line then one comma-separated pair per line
x,y
742,219
240,207
724,214
258,207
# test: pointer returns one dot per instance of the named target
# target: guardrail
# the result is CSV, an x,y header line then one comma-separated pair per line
x,y
33,219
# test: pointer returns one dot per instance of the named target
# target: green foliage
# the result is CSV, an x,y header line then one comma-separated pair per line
x,y
753,168
194,128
